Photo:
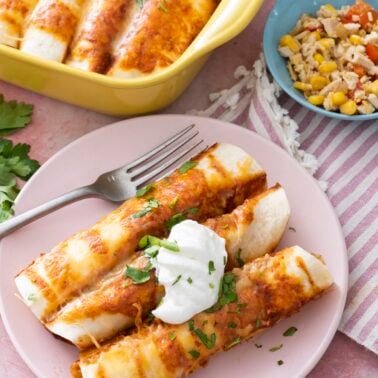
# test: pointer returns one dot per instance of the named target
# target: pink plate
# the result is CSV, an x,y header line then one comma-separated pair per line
x,y
316,229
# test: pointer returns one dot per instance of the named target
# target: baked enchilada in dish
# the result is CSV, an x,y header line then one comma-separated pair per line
x,y
123,38
13,15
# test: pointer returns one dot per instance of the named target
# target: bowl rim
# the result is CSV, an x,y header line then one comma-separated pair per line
x,y
247,10
294,94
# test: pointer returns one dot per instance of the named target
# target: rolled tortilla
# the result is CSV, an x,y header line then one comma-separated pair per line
x,y
251,230
160,35
13,14
223,176
91,49
268,289
51,28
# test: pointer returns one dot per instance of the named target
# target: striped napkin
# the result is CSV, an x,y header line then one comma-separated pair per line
x,y
342,155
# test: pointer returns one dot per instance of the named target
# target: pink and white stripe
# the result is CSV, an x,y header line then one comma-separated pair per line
x,y
347,156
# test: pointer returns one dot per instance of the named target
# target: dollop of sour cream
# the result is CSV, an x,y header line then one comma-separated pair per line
x,y
192,275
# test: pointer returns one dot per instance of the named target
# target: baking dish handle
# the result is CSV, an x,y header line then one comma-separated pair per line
x,y
229,19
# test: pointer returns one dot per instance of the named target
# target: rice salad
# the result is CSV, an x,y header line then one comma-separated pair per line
x,y
333,58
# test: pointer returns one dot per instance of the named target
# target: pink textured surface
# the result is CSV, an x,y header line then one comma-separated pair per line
x,y
56,124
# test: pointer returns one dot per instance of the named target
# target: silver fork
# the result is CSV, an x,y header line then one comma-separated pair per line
x,y
119,184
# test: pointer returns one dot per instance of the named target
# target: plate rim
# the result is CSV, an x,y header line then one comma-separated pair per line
x,y
333,327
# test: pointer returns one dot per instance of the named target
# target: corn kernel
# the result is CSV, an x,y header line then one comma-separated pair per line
x,y
327,67
331,9
349,107
302,86
316,35
372,87
319,58
288,41
339,98
318,82
356,40
327,42
316,100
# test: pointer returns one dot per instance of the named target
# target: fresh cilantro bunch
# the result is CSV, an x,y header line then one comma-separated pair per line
x,y
13,115
14,163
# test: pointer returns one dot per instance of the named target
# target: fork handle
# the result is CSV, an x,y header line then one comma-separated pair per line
x,y
29,216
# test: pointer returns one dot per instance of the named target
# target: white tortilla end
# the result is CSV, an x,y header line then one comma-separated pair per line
x,y
82,332
43,45
320,276
262,235
31,295
233,159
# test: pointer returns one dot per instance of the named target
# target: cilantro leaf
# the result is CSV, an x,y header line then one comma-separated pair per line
x,y
187,166
14,162
13,115
137,276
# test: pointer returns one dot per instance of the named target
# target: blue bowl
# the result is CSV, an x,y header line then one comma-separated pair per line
x,y
282,20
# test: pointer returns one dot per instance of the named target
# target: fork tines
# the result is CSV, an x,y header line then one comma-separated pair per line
x,y
155,163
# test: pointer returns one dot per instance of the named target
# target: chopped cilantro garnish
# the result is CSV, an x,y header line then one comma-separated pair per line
x,y
162,7
239,260
138,276
171,336
290,331
152,245
143,191
170,245
194,353
148,206
234,342
187,166
228,287
152,251
258,322
211,266
211,285
204,322
275,348
140,3
231,325
150,318
174,202
177,280
224,260
209,342
14,163
280,362
192,210
190,280
177,218
153,203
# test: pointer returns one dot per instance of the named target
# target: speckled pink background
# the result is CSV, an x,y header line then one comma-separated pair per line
x,y
56,124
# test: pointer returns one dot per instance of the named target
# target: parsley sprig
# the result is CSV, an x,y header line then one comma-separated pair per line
x,y
14,163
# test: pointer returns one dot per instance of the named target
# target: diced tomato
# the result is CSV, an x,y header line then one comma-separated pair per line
x,y
359,70
372,52
360,9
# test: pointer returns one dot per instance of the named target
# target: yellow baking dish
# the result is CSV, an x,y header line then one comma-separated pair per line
x,y
124,97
